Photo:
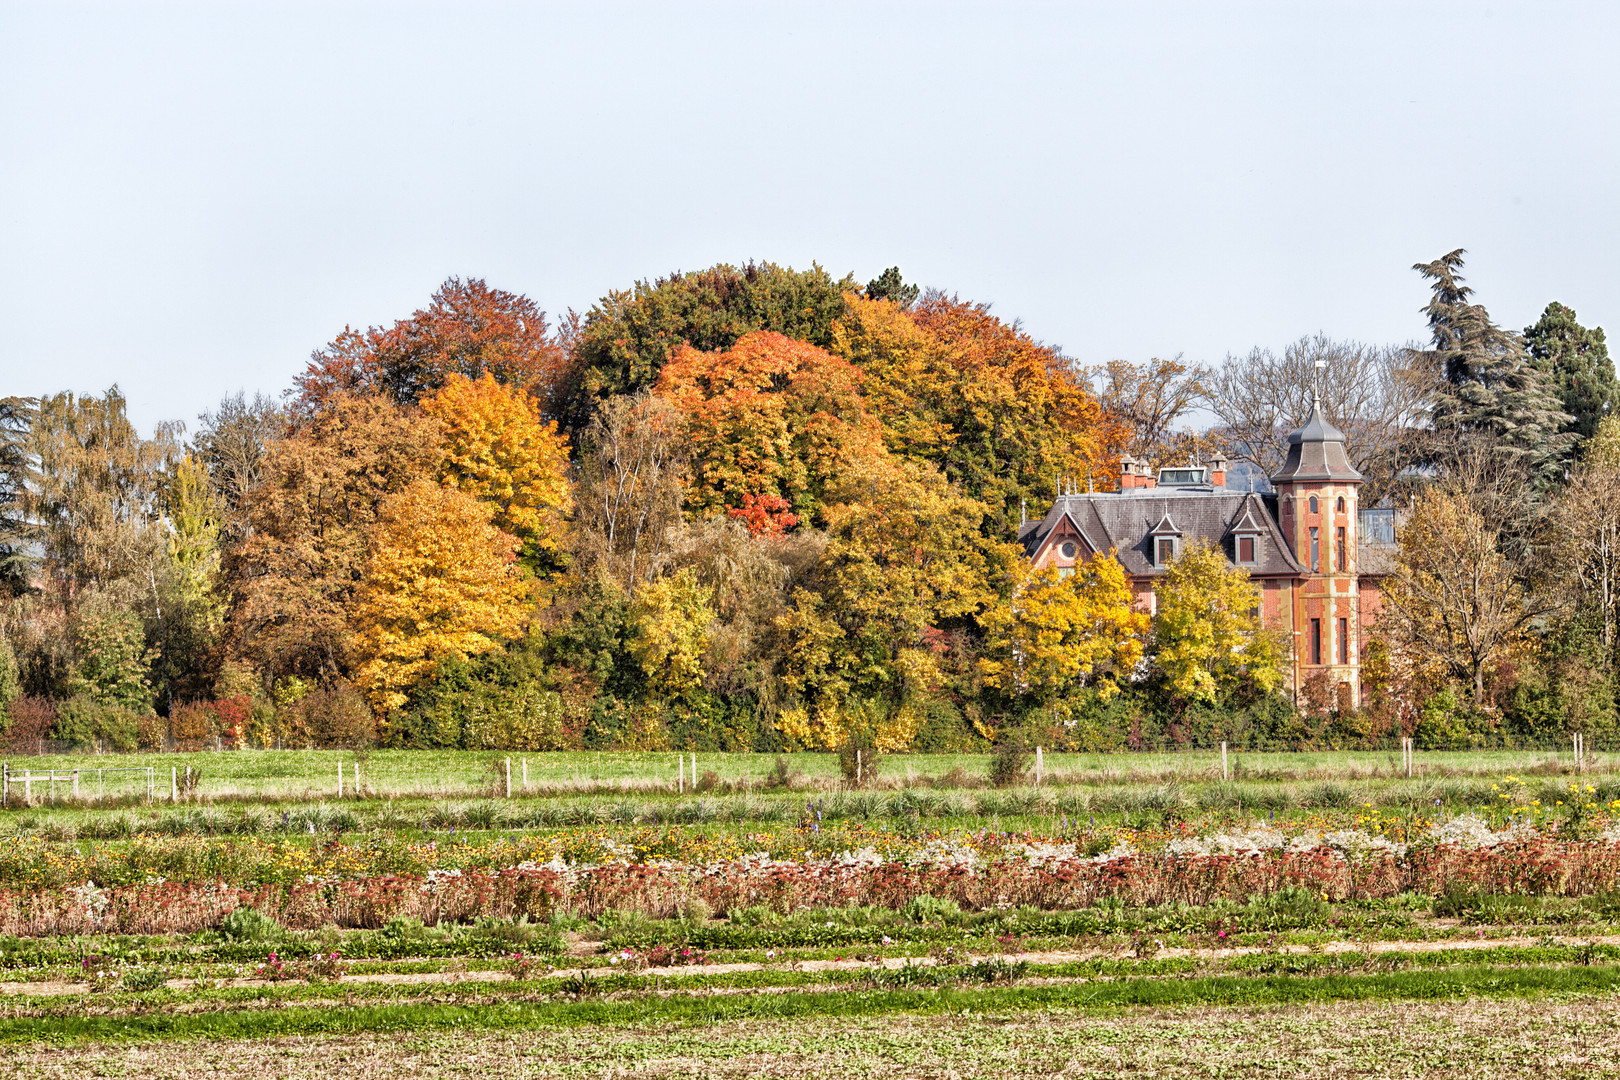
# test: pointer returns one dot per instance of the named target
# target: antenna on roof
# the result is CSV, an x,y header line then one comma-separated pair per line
x,y
1316,389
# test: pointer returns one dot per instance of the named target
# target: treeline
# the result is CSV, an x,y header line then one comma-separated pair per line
x,y
760,508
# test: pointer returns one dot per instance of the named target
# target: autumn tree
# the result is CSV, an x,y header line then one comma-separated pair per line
x,y
769,416
440,583
295,576
1455,599
186,614
1002,415
629,490
906,552
231,445
629,335
1586,527
1207,641
670,622
96,504
467,329
1062,630
1148,399
1371,393
494,445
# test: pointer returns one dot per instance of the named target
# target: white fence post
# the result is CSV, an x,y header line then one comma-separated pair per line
x,y
508,778
174,784
340,780
525,774
1225,772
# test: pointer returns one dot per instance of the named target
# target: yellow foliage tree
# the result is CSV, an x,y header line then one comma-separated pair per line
x,y
1205,638
440,582
1058,630
495,446
670,623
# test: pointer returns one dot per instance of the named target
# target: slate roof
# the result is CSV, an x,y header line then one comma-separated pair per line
x,y
1125,521
1316,451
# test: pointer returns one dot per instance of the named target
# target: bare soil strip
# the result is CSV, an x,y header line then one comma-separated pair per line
x,y
1462,1040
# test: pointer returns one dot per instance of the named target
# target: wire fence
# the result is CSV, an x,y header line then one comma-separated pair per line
x,y
279,775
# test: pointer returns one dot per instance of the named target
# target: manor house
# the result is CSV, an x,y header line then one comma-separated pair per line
x,y
1317,560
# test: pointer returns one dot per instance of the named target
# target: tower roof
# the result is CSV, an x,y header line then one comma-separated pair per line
x,y
1316,451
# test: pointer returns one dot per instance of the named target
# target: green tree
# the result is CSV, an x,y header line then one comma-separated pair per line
x,y
1486,384
1206,643
18,473
890,286
10,680
1575,364
112,663
627,336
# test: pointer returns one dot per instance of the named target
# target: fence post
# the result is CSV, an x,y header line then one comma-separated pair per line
x,y
340,780
5,784
525,774
174,784
75,785
1040,762
857,768
508,778
1225,773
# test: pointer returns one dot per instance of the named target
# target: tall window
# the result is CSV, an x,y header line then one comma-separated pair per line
x,y
1344,641
1344,552
1246,550
1167,549
1313,504
1316,550
1341,504
1316,641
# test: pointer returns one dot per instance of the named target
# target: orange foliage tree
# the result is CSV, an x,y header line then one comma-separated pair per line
x,y
468,328
1000,413
441,583
497,447
768,416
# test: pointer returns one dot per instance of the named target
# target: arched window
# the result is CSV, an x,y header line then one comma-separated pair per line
x,y
1313,504
1340,507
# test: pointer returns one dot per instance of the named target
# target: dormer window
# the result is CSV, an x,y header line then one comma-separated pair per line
x,y
1246,541
1164,542
1069,549
1246,546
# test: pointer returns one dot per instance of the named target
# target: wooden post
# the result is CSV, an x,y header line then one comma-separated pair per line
x,y
1226,773
1039,762
340,780
75,785
174,784
5,784
525,774
508,778
357,779
857,768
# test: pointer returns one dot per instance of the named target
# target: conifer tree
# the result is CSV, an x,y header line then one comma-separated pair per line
x,y
1575,363
1486,384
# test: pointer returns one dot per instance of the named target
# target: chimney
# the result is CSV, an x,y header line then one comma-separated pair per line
x,y
1217,470
1127,472
1144,475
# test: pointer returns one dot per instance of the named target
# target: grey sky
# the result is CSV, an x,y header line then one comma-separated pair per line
x,y
194,197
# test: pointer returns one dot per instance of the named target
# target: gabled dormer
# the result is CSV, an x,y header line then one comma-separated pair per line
x,y
1245,535
1164,542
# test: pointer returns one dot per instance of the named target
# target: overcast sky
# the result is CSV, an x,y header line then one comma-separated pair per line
x,y
194,197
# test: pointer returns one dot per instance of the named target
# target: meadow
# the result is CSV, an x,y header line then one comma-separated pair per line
x,y
254,919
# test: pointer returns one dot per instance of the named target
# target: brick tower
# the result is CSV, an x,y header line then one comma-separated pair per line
x,y
1316,510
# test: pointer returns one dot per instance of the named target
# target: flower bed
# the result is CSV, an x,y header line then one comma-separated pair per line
x,y
973,871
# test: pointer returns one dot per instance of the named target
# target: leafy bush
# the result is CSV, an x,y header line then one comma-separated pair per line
x,y
1009,762
192,727
143,979
250,924
33,719
333,716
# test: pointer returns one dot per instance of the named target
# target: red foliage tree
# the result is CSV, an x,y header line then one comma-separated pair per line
x,y
467,328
